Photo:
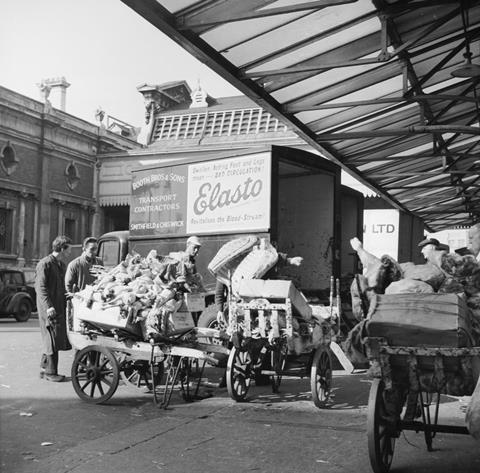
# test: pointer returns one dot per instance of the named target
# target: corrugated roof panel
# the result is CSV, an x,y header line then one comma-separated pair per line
x,y
318,82
311,50
251,32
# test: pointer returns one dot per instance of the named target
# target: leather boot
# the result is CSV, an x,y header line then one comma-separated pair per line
x,y
43,365
56,378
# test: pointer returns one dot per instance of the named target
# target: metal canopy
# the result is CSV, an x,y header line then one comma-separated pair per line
x,y
367,83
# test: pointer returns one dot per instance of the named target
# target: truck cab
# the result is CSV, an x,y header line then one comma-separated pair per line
x,y
113,247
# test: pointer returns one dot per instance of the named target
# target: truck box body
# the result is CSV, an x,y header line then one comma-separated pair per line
x,y
289,196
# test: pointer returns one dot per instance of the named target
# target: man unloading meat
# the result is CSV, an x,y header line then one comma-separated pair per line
x,y
180,275
187,267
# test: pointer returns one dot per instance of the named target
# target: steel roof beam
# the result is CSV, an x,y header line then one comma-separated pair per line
x,y
400,7
373,152
393,100
315,68
414,129
185,22
370,40
426,32
335,91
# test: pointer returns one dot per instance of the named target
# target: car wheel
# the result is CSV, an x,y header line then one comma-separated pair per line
x,y
24,311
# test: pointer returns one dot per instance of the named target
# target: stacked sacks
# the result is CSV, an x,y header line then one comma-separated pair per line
x,y
428,273
421,278
408,286
255,265
229,256
243,258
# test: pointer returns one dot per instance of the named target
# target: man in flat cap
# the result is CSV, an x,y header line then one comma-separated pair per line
x,y
432,250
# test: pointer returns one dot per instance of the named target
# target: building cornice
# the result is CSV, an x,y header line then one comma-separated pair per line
x,y
19,187
64,197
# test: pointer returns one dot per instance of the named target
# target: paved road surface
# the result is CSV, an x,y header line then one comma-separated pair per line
x,y
281,433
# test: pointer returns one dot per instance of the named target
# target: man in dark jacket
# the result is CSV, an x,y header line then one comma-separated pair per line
x,y
51,304
79,271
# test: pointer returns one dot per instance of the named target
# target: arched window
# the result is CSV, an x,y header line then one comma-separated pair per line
x,y
8,159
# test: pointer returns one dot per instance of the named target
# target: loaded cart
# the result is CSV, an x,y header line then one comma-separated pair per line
x,y
419,347
276,333
111,348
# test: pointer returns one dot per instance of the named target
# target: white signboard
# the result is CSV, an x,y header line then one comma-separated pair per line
x,y
380,232
229,195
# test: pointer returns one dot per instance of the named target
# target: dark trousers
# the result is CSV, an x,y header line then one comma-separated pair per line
x,y
49,363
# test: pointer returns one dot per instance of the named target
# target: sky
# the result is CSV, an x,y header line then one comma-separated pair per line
x,y
103,48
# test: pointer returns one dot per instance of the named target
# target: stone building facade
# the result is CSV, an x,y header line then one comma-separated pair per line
x,y
48,176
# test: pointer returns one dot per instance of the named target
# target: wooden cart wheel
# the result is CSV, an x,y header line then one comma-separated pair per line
x,y
278,361
239,369
138,374
95,374
380,442
321,376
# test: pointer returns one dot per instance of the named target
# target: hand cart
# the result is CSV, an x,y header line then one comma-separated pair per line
x,y
268,340
106,355
405,393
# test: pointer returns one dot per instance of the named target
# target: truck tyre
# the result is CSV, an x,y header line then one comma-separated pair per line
x,y
208,318
24,311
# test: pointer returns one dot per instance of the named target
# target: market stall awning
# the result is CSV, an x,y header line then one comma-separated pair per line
x,y
386,89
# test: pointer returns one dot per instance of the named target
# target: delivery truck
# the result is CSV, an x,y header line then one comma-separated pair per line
x,y
289,196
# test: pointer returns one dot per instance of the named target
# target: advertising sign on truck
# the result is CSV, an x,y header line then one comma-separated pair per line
x,y
219,196
229,194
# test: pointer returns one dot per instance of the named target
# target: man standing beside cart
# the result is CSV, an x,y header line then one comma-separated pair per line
x,y
51,304
80,271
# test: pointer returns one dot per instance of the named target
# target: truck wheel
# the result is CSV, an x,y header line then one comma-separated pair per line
x,y
24,311
208,318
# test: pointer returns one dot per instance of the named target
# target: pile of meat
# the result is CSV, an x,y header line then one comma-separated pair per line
x,y
443,273
141,287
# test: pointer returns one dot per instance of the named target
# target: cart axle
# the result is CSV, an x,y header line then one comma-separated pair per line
x,y
421,427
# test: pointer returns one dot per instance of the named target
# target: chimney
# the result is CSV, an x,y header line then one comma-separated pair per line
x,y
54,91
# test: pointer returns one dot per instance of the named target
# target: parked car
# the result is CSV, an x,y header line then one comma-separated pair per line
x,y
16,298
